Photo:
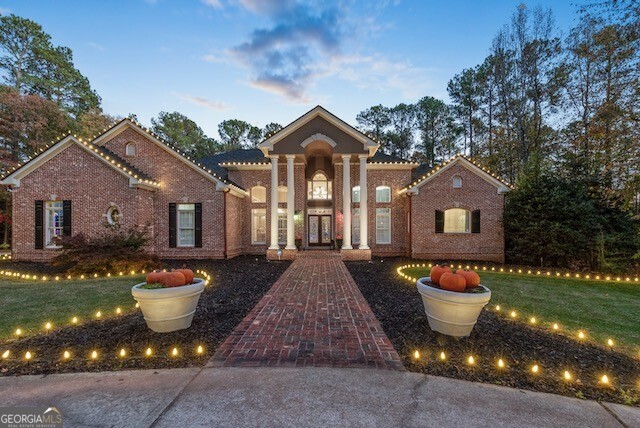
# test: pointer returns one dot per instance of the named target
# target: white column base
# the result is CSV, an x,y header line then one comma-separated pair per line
x,y
274,248
293,247
364,247
347,247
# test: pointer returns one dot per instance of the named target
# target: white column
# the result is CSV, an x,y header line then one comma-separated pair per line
x,y
364,216
346,200
291,198
273,244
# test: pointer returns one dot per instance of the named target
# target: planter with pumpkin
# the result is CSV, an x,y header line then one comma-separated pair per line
x,y
168,300
452,301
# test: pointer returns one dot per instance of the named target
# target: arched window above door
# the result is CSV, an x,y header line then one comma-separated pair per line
x,y
319,188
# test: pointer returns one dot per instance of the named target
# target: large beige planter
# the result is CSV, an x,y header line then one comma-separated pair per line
x,y
169,309
451,313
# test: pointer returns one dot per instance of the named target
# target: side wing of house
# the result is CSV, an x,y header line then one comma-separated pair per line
x,y
456,213
72,188
126,174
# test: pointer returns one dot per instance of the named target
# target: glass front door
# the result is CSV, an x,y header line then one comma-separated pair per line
x,y
319,229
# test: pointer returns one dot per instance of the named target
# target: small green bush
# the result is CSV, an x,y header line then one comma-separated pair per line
x,y
115,250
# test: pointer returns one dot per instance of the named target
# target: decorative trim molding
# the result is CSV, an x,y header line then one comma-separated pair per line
x,y
318,137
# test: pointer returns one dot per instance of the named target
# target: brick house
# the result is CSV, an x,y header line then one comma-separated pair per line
x,y
302,188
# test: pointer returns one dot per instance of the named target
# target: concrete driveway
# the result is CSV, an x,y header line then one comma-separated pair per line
x,y
299,397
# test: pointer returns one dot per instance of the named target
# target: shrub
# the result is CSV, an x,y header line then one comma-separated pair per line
x,y
557,221
115,250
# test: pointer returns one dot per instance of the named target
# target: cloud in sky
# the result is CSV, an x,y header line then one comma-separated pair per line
x,y
216,4
5,11
96,46
283,58
204,102
306,42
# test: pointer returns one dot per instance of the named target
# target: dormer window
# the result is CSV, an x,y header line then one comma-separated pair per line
x,y
130,149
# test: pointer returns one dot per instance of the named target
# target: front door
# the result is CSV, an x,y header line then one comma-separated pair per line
x,y
319,229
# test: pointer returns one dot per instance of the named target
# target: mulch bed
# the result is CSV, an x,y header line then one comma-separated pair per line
x,y
236,287
398,306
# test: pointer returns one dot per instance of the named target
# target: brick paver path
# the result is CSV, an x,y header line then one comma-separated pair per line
x,y
314,315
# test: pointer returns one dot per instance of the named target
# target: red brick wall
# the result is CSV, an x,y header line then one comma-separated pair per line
x,y
91,185
234,230
475,194
250,178
396,180
179,184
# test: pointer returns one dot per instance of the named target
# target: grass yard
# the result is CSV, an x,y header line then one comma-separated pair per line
x,y
30,304
602,310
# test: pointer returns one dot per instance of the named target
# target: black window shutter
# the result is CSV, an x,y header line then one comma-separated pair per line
x,y
66,218
198,242
439,221
172,225
39,225
475,221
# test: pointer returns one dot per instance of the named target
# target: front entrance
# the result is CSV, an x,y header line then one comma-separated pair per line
x,y
319,230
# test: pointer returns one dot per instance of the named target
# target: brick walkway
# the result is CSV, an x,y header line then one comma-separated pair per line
x,y
314,315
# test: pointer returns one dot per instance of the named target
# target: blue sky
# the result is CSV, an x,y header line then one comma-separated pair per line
x,y
272,60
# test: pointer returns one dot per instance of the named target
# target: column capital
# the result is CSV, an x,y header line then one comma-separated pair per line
x,y
274,157
346,157
290,156
363,157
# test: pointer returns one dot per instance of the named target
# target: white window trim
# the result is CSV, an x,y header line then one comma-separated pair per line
x,y
328,184
282,214
355,225
258,212
49,210
110,211
265,195
378,241
380,188
180,229
467,222
353,194
282,194
132,145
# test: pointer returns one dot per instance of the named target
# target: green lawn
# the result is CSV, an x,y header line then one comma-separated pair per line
x,y
602,310
30,304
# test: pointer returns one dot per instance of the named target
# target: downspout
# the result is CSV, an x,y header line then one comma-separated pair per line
x,y
224,221
410,252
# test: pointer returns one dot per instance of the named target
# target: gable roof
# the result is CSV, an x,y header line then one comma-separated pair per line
x,y
427,175
136,177
318,111
211,174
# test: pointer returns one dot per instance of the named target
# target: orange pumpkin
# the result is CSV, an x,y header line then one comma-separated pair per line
x,y
154,277
436,272
472,278
173,279
188,274
452,282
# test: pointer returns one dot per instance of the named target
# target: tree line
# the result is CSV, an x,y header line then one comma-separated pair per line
x,y
44,96
573,101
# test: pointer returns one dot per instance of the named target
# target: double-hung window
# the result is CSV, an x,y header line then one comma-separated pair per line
x,y
55,223
186,225
355,226
258,226
282,226
383,225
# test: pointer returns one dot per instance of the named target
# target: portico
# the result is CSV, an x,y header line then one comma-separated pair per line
x,y
328,149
